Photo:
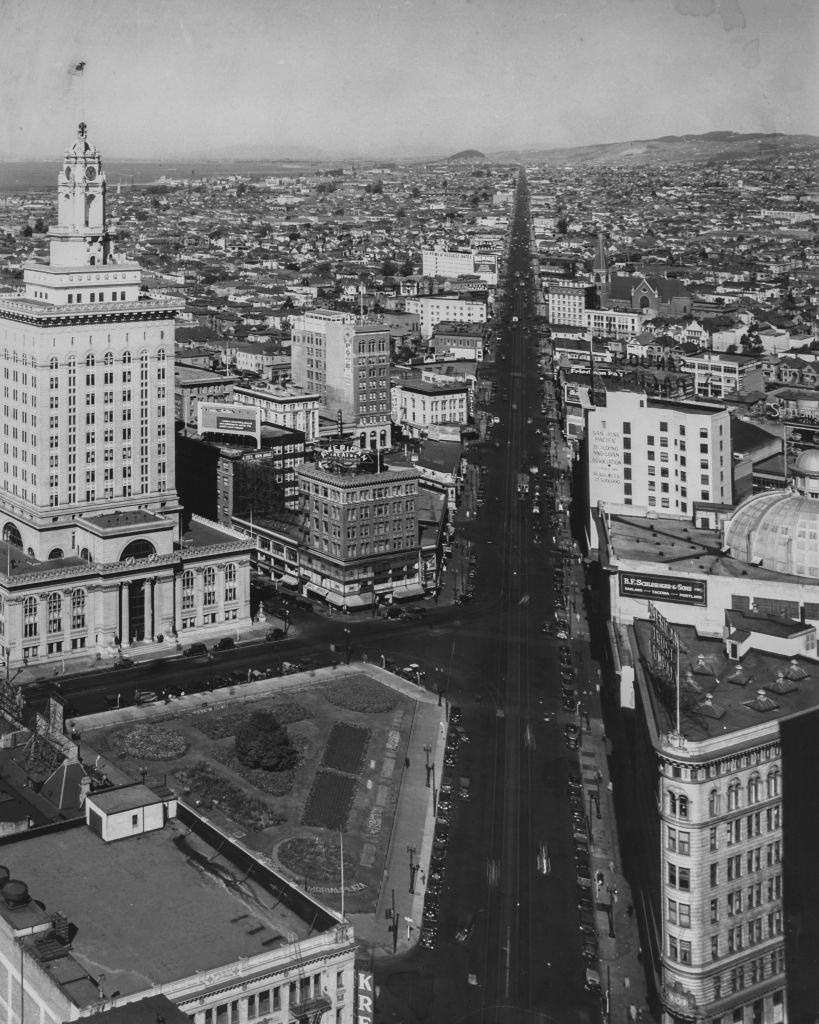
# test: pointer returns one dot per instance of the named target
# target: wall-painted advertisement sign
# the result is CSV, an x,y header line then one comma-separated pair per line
x,y
676,589
364,1000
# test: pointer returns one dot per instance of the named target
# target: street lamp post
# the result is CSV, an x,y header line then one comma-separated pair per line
x,y
428,751
434,791
413,867
347,643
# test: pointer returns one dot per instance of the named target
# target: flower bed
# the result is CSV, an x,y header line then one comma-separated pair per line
x,y
272,783
346,747
148,742
330,800
209,789
360,694
221,722
315,859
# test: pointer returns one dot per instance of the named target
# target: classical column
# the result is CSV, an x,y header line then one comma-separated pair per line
x,y
177,603
199,595
148,593
124,617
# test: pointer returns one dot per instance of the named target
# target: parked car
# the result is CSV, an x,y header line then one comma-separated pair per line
x,y
275,634
591,980
464,784
225,643
572,735
195,650
429,936
466,928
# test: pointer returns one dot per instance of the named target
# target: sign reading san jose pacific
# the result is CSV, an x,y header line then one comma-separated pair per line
x,y
676,589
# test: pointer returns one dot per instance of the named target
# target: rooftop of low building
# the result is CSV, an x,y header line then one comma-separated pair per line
x,y
151,908
720,696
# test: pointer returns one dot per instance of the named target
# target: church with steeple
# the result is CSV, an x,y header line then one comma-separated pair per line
x,y
96,551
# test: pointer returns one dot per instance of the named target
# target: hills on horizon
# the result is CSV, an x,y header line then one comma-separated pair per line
x,y
715,145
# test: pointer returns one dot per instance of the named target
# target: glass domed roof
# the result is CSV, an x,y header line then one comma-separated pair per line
x,y
808,463
778,530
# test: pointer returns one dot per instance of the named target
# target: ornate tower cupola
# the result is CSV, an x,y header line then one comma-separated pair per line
x,y
80,239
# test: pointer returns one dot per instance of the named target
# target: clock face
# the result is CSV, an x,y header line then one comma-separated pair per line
x,y
90,173
67,171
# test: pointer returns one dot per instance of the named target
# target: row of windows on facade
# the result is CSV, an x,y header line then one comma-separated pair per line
x,y
751,974
395,526
663,426
92,297
679,877
77,602
735,940
364,512
366,494
260,1004
24,359
751,898
208,586
679,840
376,547
678,805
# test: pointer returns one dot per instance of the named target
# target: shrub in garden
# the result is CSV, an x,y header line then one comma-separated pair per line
x,y
262,742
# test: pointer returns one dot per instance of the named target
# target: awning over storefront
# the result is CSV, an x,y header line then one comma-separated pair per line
x,y
314,588
288,581
359,600
406,592
335,599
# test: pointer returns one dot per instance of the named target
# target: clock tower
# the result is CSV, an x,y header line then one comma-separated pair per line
x,y
80,239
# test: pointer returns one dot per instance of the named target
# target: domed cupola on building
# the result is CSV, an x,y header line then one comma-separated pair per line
x,y
779,530
80,237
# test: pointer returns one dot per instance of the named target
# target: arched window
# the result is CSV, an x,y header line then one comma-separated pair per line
x,y
160,355
733,795
187,590
126,356
362,441
773,782
672,804
230,581
682,806
54,617
713,803
78,609
2,616
108,358
11,535
90,359
55,553
85,555
383,438
30,627
209,586
138,549
754,788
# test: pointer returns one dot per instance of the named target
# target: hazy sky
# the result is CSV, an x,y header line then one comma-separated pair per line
x,y
379,77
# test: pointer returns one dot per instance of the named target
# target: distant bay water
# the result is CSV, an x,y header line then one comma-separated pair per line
x,y
23,176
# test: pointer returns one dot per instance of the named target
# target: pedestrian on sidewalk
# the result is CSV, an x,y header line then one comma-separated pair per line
x,y
632,1012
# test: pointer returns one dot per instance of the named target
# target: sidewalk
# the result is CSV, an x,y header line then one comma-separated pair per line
x,y
622,974
413,828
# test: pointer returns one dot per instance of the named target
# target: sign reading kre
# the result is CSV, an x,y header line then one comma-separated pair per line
x,y
364,997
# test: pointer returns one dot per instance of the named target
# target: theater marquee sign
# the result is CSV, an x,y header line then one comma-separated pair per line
x,y
677,589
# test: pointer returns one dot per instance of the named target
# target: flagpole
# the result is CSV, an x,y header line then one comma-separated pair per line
x,y
341,848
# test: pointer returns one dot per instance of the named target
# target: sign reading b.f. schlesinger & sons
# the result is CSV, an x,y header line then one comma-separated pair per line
x,y
677,589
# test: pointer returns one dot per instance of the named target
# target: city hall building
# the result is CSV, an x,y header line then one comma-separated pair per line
x,y
93,553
